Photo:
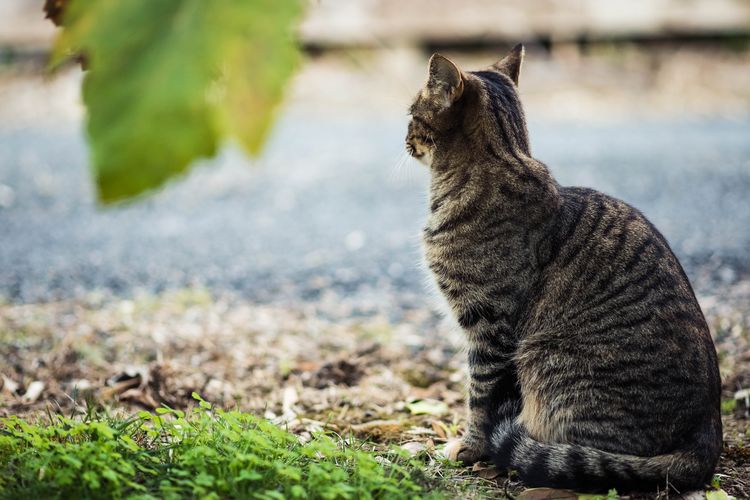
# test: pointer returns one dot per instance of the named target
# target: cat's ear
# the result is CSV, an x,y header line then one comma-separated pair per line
x,y
445,79
511,64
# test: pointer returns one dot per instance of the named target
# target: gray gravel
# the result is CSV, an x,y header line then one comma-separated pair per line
x,y
326,215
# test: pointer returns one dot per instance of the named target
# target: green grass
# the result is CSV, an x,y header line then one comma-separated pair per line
x,y
206,453
728,406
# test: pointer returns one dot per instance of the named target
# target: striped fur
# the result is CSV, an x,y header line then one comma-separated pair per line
x,y
573,466
590,361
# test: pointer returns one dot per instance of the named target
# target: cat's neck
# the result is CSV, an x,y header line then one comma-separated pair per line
x,y
479,223
506,182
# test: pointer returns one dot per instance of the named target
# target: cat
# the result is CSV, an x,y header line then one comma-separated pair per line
x,y
591,365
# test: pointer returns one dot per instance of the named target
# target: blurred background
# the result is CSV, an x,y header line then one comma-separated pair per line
x,y
291,285
645,100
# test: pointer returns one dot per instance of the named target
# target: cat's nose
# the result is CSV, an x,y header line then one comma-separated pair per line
x,y
413,151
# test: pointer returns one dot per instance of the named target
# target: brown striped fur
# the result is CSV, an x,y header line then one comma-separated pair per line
x,y
591,365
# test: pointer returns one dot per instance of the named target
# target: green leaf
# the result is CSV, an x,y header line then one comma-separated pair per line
x,y
72,461
298,491
204,479
728,406
611,495
128,442
248,475
717,495
427,407
91,479
109,474
167,80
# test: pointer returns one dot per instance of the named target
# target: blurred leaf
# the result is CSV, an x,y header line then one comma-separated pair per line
x,y
717,495
441,429
547,494
255,79
167,80
485,471
379,430
427,407
54,10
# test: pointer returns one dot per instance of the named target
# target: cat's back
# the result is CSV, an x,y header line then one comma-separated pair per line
x,y
602,253
605,267
614,321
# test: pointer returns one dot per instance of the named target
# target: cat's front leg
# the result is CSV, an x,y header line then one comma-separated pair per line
x,y
493,396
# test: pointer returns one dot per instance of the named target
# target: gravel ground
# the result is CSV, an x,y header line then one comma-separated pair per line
x,y
326,210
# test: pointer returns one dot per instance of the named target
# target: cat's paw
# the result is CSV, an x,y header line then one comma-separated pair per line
x,y
459,450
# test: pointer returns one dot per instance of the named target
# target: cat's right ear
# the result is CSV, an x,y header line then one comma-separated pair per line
x,y
511,64
445,79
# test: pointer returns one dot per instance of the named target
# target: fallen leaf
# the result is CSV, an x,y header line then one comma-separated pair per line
x,y
131,377
381,430
81,384
547,494
9,386
138,373
307,366
139,396
427,407
717,495
419,431
33,391
289,399
440,429
118,387
486,471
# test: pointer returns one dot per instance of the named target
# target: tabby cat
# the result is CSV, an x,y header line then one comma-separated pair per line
x,y
591,365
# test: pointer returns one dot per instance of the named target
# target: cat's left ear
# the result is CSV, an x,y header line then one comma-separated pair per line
x,y
511,64
445,79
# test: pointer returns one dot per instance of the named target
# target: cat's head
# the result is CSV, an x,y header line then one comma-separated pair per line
x,y
478,106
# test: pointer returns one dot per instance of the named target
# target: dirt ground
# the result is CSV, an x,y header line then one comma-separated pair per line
x,y
390,383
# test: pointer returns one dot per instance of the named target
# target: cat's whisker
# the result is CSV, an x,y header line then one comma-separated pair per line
x,y
394,171
398,173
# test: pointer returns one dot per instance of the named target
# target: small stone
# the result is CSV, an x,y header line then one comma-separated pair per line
x,y
33,391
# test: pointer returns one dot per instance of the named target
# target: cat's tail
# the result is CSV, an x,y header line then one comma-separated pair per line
x,y
588,469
